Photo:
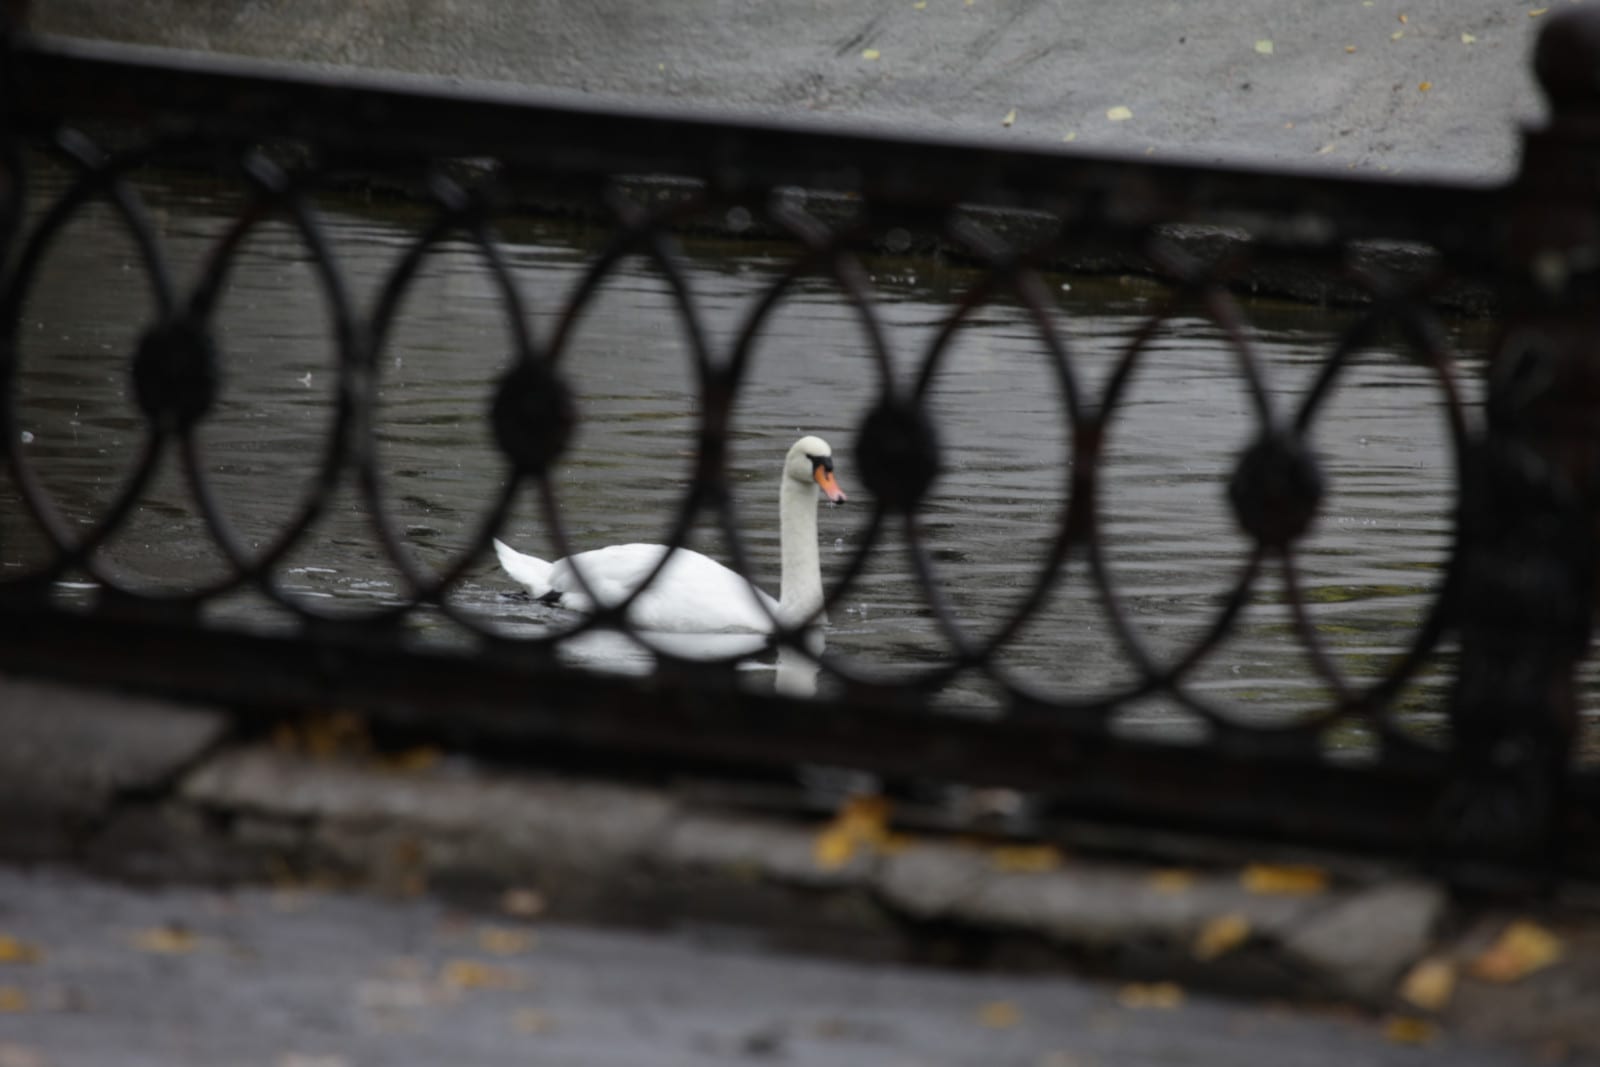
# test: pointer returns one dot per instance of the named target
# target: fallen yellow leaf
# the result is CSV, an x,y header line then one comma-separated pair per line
x,y
1403,20
413,760
505,940
1536,12
1011,116
1283,880
1264,47
1424,86
1396,35
1172,880
1430,984
14,951
833,848
1350,49
1163,995
532,1021
1409,1030
999,1014
166,940
1059,1058
522,902
893,844
1220,935
1026,859
1467,38
870,53
1325,149
1119,114
21,1056
863,822
1072,135
473,974
920,5
12,1000
1522,948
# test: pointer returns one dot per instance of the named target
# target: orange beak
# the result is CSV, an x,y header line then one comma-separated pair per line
x,y
829,487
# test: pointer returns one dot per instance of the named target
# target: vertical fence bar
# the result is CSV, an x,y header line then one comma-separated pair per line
x,y
1529,502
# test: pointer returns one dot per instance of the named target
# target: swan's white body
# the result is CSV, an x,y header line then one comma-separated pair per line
x,y
694,593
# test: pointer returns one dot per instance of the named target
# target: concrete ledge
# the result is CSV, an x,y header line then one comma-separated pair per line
x,y
71,753
603,851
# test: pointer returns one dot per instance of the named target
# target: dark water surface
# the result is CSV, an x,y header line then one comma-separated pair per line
x,y
1370,565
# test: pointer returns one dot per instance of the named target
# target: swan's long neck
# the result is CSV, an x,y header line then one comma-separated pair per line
x,y
800,594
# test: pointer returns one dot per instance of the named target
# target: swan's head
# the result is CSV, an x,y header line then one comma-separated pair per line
x,y
811,460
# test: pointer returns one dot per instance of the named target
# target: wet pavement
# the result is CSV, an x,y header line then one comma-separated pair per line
x,y
98,974
1377,86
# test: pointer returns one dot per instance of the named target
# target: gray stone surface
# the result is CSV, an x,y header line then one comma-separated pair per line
x,y
1367,939
261,978
1429,86
70,750
596,850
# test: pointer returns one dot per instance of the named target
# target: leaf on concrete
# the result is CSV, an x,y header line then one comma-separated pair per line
x,y
1063,1058
1026,859
1409,1030
920,5
1403,19
1522,948
1172,880
523,902
475,974
870,53
413,760
1270,879
1072,135
532,1021
21,1056
1536,12
170,940
862,823
1011,117
1423,87
999,1014
1161,995
1350,49
1396,35
506,940
13,950
1430,984
1220,936
325,735
1467,38
1119,114
1264,47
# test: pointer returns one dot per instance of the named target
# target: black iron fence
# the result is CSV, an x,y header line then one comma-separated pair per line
x,y
1496,790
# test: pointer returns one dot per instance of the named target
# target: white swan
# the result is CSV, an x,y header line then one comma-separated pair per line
x,y
694,593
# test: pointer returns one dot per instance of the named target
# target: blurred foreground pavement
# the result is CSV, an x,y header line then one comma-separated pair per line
x,y
94,974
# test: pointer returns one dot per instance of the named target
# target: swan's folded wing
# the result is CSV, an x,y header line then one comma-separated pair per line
x,y
692,594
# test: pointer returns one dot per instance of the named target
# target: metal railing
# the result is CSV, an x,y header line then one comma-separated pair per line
x,y
1498,793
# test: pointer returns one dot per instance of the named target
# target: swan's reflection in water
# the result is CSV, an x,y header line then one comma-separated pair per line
x,y
794,673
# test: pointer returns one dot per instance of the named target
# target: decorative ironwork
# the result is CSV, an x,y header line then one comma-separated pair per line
x,y
1516,587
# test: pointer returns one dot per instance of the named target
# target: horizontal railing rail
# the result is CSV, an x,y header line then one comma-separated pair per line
x,y
1495,792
